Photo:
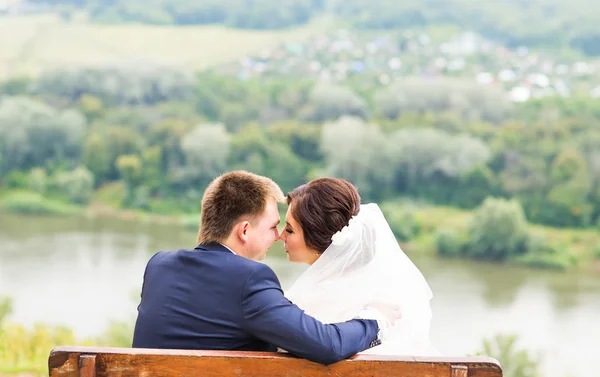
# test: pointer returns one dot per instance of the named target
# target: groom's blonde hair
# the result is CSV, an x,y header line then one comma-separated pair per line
x,y
232,197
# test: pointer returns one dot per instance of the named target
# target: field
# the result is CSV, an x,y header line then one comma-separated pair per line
x,y
29,45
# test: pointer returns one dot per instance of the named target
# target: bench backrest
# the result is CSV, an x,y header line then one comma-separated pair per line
x,y
125,362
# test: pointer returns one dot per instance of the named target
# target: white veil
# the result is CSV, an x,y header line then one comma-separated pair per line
x,y
365,267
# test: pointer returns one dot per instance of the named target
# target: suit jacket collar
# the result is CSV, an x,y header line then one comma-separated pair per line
x,y
212,246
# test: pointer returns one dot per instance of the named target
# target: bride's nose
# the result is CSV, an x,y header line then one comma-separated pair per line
x,y
282,235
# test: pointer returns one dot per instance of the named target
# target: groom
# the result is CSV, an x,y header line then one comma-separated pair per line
x,y
218,297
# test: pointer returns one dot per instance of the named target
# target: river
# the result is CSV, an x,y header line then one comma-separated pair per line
x,y
85,272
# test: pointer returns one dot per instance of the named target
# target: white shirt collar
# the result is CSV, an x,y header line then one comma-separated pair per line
x,y
229,249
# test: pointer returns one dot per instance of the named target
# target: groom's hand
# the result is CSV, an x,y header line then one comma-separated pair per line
x,y
384,315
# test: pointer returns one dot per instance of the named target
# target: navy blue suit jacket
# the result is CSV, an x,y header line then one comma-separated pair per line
x,y
209,298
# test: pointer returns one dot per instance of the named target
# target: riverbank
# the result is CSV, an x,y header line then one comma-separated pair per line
x,y
573,249
32,203
417,225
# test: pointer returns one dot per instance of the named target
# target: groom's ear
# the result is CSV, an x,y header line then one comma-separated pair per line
x,y
243,228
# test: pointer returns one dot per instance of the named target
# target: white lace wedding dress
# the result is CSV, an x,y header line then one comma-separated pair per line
x,y
365,268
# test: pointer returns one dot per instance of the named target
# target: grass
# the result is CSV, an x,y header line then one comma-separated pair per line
x,y
111,194
32,203
434,218
581,242
32,44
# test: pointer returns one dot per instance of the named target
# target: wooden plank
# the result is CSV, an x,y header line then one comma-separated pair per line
x,y
87,366
459,371
123,362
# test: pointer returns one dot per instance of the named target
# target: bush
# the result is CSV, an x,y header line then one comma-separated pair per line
x,y
140,198
23,349
26,350
404,222
16,179
515,362
450,242
556,214
118,334
77,185
497,230
597,251
38,180
556,261
541,254
5,308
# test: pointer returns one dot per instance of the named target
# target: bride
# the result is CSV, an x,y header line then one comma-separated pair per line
x,y
355,262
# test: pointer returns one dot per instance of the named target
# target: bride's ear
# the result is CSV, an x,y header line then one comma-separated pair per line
x,y
242,230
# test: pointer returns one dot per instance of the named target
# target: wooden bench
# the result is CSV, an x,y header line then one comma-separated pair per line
x,y
126,362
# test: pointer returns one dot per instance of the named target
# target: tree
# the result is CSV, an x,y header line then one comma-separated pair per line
x,y
497,230
303,139
468,99
329,102
123,141
91,106
254,151
130,170
97,156
571,185
152,174
463,153
358,152
523,174
129,83
233,115
475,185
227,99
589,145
205,149
420,154
33,134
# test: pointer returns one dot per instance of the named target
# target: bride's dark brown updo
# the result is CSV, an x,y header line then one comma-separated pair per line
x,y
323,207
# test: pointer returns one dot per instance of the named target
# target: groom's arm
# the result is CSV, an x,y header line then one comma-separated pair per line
x,y
270,316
